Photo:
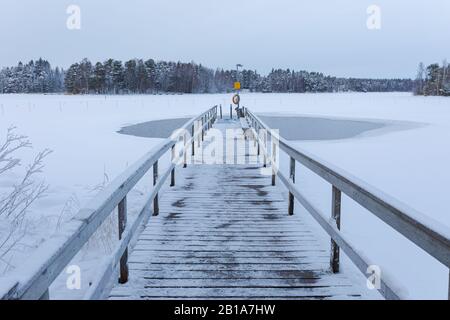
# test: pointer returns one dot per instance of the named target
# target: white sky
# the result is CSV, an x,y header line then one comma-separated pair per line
x,y
316,35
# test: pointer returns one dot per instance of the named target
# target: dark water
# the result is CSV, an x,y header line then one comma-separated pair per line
x,y
291,128
154,129
311,128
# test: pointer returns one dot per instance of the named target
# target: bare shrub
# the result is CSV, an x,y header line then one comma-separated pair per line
x,y
20,195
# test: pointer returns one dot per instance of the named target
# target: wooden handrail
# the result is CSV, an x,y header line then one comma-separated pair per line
x,y
428,235
31,281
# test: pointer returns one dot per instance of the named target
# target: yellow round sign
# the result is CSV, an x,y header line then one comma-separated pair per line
x,y
236,99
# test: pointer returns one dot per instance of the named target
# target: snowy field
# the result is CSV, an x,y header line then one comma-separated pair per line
x,y
409,164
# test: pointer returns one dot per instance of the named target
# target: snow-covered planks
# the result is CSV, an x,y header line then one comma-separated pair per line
x,y
224,233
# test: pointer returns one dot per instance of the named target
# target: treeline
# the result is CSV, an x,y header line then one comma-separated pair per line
x,y
433,80
139,76
149,76
302,81
33,77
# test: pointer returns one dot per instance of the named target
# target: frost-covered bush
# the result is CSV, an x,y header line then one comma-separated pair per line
x,y
19,188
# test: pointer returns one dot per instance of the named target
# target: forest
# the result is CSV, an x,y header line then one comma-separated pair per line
x,y
34,77
433,80
138,76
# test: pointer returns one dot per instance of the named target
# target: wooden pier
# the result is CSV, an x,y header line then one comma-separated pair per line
x,y
223,233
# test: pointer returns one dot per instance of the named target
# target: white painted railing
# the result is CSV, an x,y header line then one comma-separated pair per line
x,y
432,238
33,279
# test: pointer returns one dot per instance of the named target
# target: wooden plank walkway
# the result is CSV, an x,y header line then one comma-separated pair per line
x,y
224,233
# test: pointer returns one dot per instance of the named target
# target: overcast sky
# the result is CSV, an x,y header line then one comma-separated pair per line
x,y
330,36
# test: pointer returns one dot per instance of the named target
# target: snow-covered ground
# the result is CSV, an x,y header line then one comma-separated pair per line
x,y
410,165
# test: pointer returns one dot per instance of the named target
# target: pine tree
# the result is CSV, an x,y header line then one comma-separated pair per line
x,y
117,76
99,82
130,76
71,79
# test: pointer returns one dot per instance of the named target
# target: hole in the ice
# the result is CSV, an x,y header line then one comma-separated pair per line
x,y
306,128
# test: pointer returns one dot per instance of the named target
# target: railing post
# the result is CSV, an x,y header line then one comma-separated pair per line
x,y
172,173
185,150
208,121
336,215
448,298
448,285
221,112
256,136
45,295
122,216
199,136
231,111
193,140
292,177
265,148
155,180
274,155
203,128
259,147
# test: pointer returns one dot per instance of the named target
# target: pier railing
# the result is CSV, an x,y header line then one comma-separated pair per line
x,y
432,238
32,281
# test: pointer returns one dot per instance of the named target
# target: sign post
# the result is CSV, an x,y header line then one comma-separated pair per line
x,y
237,89
236,99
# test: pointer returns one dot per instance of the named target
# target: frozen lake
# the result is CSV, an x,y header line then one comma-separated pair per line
x,y
395,142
